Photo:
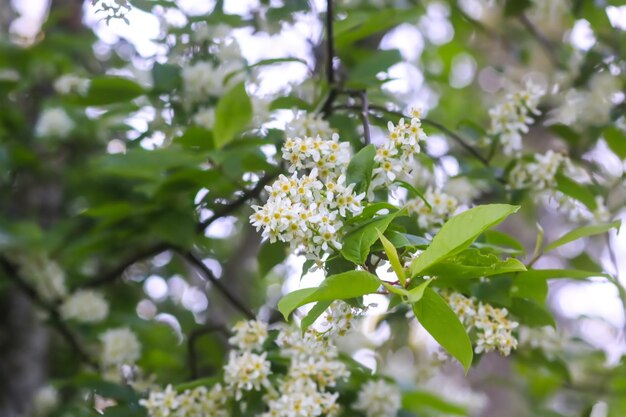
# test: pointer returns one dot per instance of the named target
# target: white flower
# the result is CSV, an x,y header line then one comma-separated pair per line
x,y
54,122
494,331
71,83
378,399
442,207
205,118
119,346
339,318
203,79
308,125
87,306
249,334
511,118
45,400
46,275
245,372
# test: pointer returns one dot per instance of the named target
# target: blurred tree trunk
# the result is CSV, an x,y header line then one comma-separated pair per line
x,y
24,341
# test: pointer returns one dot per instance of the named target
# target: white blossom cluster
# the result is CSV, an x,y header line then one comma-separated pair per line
x,y
308,210
541,173
247,370
120,346
540,176
44,274
314,367
86,306
71,83
204,79
54,122
308,125
305,389
511,118
590,106
378,399
329,157
493,329
191,403
395,158
339,318
442,207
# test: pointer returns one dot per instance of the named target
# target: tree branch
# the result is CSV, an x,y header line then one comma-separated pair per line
x,y
330,56
55,318
208,274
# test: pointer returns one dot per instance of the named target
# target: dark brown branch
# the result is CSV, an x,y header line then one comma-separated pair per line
x,y
208,274
59,325
194,335
116,272
233,206
327,107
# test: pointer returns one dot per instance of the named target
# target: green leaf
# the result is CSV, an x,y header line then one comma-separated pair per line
x,y
392,255
166,77
459,232
342,286
418,401
531,313
560,273
108,90
357,243
196,137
594,229
503,240
270,255
444,326
577,191
232,114
317,310
416,294
365,72
474,264
616,139
360,169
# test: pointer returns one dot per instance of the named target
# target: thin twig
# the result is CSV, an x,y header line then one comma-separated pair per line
x,y
55,318
330,56
233,206
116,272
208,274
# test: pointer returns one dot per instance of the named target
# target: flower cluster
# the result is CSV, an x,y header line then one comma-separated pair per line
x,y
539,174
329,157
314,367
308,210
304,389
44,274
395,158
442,207
493,329
54,122
87,306
197,402
308,125
378,399
119,347
339,318
511,118
71,83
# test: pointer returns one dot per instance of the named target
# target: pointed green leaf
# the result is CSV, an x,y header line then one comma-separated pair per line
x,y
232,115
417,293
444,326
357,243
593,229
360,169
473,263
459,232
392,254
342,286
317,310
